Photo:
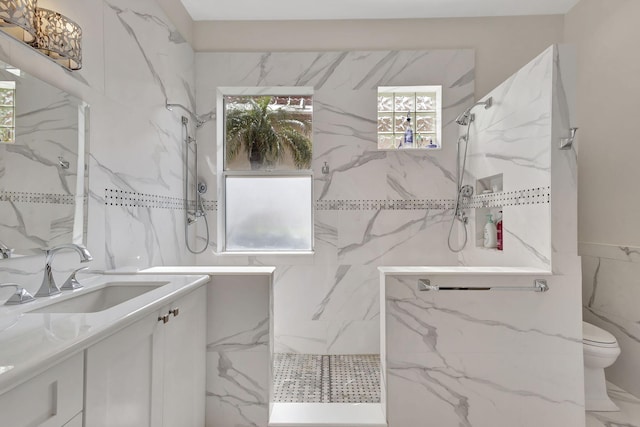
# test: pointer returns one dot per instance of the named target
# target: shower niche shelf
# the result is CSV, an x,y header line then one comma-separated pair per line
x,y
484,186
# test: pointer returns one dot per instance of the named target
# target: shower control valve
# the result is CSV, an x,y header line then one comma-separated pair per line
x,y
462,216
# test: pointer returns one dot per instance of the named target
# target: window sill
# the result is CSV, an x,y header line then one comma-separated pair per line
x,y
266,253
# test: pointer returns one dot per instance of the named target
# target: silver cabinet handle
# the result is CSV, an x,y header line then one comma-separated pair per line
x,y
175,312
164,318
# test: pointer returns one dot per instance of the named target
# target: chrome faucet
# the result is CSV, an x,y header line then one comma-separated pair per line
x,y
21,296
49,286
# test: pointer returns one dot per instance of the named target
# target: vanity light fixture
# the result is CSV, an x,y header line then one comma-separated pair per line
x,y
51,33
17,18
59,38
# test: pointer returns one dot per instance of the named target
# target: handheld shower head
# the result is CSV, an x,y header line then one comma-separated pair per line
x,y
465,118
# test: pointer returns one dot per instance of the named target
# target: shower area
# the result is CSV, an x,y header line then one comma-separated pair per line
x,y
314,378
371,207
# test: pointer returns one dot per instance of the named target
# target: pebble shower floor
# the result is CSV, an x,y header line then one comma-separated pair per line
x,y
312,378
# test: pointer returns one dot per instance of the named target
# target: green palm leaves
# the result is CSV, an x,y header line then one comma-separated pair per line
x,y
267,135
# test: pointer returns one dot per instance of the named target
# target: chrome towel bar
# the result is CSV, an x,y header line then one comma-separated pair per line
x,y
539,285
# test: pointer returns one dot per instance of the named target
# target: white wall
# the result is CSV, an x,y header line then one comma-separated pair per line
x,y
503,44
467,358
512,140
326,303
133,61
606,34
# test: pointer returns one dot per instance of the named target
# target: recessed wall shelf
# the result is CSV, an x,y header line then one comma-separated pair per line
x,y
485,186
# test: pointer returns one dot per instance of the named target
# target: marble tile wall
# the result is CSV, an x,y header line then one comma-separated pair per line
x,y
238,351
502,358
513,138
611,291
134,61
455,359
327,303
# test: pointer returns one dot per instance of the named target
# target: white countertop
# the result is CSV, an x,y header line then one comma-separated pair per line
x,y
211,270
31,343
454,270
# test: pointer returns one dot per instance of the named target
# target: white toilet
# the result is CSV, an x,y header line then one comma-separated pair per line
x,y
600,351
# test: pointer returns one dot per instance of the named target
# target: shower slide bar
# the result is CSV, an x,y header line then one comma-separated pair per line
x,y
539,285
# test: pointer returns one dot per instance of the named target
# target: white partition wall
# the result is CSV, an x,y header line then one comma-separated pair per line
x,y
500,358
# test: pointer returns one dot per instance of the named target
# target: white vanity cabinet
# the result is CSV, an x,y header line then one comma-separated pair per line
x,y
75,422
51,399
151,373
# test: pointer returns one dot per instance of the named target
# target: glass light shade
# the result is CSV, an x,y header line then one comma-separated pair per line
x,y
17,18
59,38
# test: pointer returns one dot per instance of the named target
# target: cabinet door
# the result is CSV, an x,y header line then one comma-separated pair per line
x,y
48,400
75,422
184,362
124,377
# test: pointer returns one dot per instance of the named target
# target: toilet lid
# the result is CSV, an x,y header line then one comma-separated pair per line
x,y
593,335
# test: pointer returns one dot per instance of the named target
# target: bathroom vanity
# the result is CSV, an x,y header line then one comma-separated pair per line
x,y
69,361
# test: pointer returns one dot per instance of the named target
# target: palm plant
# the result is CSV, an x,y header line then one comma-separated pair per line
x,y
266,134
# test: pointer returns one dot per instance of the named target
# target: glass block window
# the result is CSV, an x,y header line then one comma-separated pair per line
x,y
266,177
8,112
422,104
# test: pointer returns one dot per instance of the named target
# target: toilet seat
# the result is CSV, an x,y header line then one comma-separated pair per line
x,y
597,337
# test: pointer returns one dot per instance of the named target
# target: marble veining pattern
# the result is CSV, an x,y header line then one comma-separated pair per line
x,y
238,356
372,208
40,167
469,364
609,281
499,358
629,415
513,138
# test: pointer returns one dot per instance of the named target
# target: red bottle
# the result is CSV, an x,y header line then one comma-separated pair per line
x,y
499,233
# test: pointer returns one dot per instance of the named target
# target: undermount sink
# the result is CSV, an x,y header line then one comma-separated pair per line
x,y
103,298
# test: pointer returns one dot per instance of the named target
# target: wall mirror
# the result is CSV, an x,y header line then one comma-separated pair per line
x,y
43,164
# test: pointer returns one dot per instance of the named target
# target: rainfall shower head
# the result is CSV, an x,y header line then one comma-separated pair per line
x,y
200,120
465,118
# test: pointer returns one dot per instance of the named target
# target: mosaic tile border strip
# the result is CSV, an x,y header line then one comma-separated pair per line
x,y
311,378
38,198
399,205
116,197
530,196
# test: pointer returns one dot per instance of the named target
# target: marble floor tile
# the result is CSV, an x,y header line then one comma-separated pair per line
x,y
310,378
629,415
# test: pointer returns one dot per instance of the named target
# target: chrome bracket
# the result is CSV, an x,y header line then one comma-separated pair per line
x,y
425,285
567,143
540,285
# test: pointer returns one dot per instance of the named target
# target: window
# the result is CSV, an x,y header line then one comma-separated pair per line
x,y
422,105
266,170
8,112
